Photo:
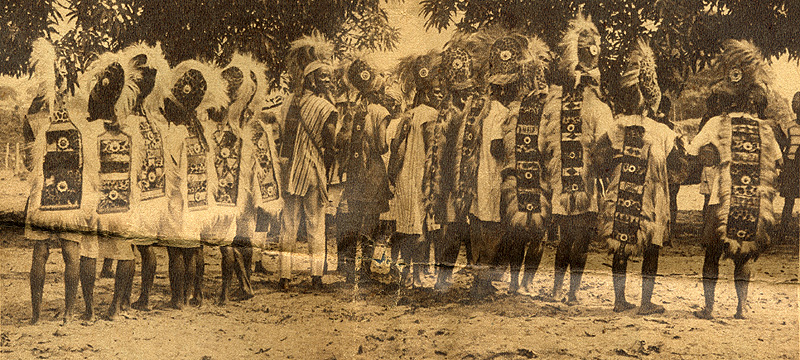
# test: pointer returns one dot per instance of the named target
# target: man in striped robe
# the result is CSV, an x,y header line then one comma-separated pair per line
x,y
309,123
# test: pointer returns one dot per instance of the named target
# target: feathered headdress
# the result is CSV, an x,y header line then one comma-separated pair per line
x,y
155,73
457,68
306,55
640,69
742,71
417,72
46,61
362,74
535,69
581,33
241,76
197,87
105,81
256,71
505,57
478,46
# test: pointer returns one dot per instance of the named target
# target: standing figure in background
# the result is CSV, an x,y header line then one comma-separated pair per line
x,y
366,187
790,173
63,188
418,74
308,121
524,203
574,118
195,89
635,150
740,216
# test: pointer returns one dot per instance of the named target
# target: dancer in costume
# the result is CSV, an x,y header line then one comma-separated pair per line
x,y
366,187
63,185
113,90
740,214
635,216
419,75
524,205
145,124
194,89
574,118
308,121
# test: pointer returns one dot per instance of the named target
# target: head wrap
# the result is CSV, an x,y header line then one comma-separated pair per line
x,y
306,55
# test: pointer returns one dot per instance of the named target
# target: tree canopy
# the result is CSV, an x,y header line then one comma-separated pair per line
x,y
685,34
193,29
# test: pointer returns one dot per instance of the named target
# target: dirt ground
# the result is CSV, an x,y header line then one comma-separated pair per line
x,y
379,322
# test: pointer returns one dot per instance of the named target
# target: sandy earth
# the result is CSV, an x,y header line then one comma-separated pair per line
x,y
377,321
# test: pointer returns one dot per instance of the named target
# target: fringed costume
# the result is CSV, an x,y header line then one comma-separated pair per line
x,y
63,196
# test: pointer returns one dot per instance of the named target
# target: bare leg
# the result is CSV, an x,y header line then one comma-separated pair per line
x,y
177,276
41,252
741,276
578,261
88,274
710,275
108,269
649,270
562,261
786,216
195,271
619,269
514,252
227,273
532,260
241,268
446,252
148,274
124,276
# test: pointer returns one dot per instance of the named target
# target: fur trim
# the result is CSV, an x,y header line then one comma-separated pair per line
x,y
568,47
304,51
640,69
741,66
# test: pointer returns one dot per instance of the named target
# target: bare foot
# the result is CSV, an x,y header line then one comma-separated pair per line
x,y
196,301
246,296
176,304
87,316
513,288
739,315
259,268
141,304
623,306
703,314
650,308
572,300
113,313
222,300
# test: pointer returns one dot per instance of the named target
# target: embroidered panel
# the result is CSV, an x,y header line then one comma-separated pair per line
x,y
62,169
794,143
227,158
431,186
745,179
115,173
467,179
527,156
196,176
633,169
571,147
151,177
265,166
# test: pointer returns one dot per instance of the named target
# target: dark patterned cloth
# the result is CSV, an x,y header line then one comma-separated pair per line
x,y
115,173
633,170
196,176
151,177
63,162
571,147
227,159
265,166
466,189
528,158
745,179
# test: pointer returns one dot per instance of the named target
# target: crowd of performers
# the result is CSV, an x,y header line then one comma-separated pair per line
x,y
503,143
